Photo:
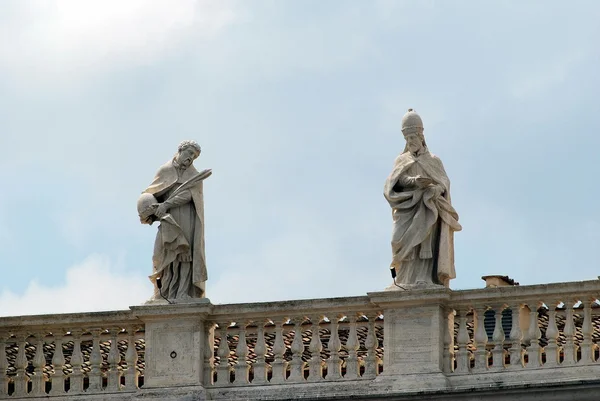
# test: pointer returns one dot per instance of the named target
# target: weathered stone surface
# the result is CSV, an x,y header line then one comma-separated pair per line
x,y
175,198
420,361
175,353
578,390
174,343
418,190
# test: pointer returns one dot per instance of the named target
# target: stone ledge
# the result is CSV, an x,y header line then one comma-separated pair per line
x,y
416,297
162,310
32,322
543,376
526,293
576,390
300,391
580,390
189,393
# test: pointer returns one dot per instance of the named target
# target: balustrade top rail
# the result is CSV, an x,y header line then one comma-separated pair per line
x,y
374,301
576,290
89,319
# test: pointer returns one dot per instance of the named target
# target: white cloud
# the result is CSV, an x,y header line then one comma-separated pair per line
x,y
46,40
96,284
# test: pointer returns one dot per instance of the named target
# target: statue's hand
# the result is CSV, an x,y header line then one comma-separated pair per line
x,y
423,182
185,257
439,190
161,211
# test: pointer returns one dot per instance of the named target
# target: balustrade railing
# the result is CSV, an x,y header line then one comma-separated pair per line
x,y
339,342
522,330
297,349
69,358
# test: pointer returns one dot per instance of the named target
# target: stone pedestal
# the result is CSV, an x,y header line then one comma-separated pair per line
x,y
174,343
414,332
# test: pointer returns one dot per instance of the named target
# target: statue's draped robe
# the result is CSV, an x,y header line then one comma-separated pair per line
x,y
424,224
181,231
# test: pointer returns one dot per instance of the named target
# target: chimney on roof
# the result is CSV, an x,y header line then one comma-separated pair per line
x,y
494,281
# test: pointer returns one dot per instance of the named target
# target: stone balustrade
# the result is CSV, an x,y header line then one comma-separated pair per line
x,y
516,331
426,341
295,349
70,354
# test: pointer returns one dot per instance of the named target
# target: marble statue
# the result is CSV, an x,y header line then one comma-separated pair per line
x,y
418,190
175,199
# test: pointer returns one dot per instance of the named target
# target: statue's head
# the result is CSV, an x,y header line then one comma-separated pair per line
x,y
187,152
412,129
414,142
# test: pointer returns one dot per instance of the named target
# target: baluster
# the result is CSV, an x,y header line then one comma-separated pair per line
x,y
38,383
76,378
516,351
260,349
297,364
449,341
587,347
209,353
3,366
223,353
131,357
334,363
315,347
242,369
279,365
570,348
534,351
525,333
352,346
95,375
552,354
463,363
113,359
498,337
480,338
21,378
380,359
371,346
58,363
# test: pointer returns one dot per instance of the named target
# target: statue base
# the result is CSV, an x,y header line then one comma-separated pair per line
x,y
182,301
417,286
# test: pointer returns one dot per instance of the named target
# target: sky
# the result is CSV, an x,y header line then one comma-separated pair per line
x,y
297,106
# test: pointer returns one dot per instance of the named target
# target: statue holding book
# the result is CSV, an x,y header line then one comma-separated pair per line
x,y
418,191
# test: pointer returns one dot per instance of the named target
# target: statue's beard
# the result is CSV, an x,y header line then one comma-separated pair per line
x,y
183,164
